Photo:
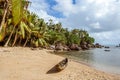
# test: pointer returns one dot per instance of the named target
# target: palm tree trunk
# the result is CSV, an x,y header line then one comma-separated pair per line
x,y
20,41
25,42
6,44
3,23
3,20
4,16
15,39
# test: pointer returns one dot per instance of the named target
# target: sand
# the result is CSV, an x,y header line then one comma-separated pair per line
x,y
19,63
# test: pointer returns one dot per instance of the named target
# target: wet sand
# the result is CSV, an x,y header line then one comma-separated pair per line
x,y
19,63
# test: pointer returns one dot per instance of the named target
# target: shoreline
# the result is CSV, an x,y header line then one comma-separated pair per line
x,y
71,56
24,63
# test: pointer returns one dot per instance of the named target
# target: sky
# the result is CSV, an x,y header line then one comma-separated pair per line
x,y
101,18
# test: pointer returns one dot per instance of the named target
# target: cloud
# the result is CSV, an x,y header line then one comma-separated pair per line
x,y
99,11
65,6
95,25
110,37
40,7
101,18
37,5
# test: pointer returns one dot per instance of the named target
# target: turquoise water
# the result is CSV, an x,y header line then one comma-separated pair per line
x,y
108,61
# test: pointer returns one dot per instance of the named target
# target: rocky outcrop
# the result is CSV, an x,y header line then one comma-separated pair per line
x,y
107,47
52,47
84,47
89,45
97,45
66,48
74,47
59,46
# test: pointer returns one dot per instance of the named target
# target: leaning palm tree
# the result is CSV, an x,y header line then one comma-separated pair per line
x,y
17,11
3,14
39,32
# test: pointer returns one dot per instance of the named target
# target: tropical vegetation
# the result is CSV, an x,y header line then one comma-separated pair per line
x,y
20,27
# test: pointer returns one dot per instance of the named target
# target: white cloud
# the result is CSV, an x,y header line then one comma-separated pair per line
x,y
38,5
65,6
99,17
109,37
95,25
40,8
87,18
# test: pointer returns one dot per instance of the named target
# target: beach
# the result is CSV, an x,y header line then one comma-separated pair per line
x,y
22,63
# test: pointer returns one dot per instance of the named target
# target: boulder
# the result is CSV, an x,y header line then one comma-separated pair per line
x,y
84,47
89,45
97,45
74,47
59,46
66,48
52,47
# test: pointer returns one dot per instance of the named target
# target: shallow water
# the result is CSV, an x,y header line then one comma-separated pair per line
x,y
108,61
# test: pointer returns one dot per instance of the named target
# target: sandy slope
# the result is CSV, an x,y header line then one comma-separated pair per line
x,y
24,64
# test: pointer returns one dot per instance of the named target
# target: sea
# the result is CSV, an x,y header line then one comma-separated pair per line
x,y
104,59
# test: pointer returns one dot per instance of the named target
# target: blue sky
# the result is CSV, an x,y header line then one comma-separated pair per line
x,y
101,18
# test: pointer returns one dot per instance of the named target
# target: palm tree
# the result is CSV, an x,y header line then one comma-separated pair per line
x,y
3,8
17,12
19,20
20,27
39,32
74,39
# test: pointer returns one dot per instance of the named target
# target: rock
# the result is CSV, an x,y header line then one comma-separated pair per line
x,y
107,47
89,45
83,43
59,46
74,47
52,47
84,47
66,48
97,45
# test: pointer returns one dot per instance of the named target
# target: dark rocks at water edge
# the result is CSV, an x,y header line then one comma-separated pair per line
x,y
118,45
97,45
59,46
76,47
106,50
107,47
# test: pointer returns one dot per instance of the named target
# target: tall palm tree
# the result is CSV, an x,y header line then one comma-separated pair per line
x,y
17,12
3,8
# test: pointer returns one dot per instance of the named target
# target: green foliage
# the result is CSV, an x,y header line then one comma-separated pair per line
x,y
1,11
91,40
25,28
2,32
74,39
16,11
22,29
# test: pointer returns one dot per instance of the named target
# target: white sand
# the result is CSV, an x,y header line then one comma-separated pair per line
x,y
25,64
